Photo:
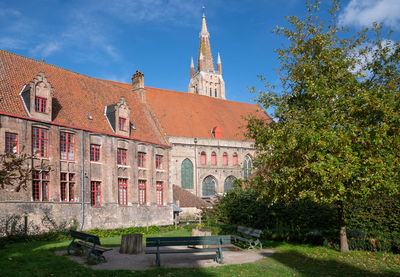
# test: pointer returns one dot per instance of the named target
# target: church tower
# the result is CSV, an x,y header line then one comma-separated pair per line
x,y
205,80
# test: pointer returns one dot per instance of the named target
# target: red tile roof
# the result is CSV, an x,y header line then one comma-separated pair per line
x,y
77,96
187,199
192,115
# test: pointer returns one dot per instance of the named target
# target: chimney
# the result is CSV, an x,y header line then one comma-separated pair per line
x,y
138,84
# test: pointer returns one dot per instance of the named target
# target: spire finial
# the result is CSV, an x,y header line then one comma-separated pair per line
x,y
204,31
219,59
204,14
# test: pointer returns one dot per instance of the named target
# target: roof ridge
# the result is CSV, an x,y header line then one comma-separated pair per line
x,y
52,65
198,95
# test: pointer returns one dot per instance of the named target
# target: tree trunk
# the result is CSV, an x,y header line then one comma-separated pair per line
x,y
344,246
131,244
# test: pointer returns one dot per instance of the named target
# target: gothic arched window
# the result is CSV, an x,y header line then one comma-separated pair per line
x,y
187,174
228,184
209,184
203,158
213,158
215,92
247,165
210,92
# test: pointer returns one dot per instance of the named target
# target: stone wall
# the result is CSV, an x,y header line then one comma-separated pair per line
x,y
185,148
110,214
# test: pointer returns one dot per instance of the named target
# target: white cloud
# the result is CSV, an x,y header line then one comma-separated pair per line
x,y
45,49
87,27
362,13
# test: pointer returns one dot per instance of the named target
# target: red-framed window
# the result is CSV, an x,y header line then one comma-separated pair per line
x,y
11,143
67,187
94,152
40,142
142,159
122,123
203,158
67,146
40,104
121,156
159,162
40,185
160,192
225,159
213,158
235,159
142,192
123,191
95,193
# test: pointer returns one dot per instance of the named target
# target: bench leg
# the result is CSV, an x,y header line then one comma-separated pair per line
x,y
158,262
219,258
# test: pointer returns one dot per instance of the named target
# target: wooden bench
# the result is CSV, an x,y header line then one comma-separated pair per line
x,y
90,242
187,241
248,235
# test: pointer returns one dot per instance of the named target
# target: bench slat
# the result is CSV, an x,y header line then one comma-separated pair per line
x,y
180,241
172,251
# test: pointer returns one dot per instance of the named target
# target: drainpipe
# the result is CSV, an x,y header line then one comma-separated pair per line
x,y
82,179
195,166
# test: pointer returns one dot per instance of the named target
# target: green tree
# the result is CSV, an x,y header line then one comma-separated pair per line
x,y
14,173
336,133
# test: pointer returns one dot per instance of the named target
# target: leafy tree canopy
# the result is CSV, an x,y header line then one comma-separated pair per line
x,y
336,133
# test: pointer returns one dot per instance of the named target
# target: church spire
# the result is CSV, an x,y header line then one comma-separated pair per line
x,y
219,65
191,67
205,80
205,49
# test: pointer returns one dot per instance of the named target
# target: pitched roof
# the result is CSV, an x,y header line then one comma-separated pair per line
x,y
188,199
185,114
75,95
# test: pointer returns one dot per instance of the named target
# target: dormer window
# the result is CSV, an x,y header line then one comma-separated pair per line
x,y
118,117
40,104
122,124
37,98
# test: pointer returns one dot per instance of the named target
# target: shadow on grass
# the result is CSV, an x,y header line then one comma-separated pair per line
x,y
39,259
308,266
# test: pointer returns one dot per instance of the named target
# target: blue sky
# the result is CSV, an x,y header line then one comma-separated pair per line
x,y
112,39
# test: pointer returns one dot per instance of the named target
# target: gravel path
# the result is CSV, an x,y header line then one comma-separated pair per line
x,y
116,261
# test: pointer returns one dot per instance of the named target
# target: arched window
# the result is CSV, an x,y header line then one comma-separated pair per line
x,y
187,174
215,92
209,184
247,164
228,184
203,157
225,159
235,159
210,92
213,158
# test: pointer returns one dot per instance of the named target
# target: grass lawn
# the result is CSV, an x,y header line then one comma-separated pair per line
x,y
38,259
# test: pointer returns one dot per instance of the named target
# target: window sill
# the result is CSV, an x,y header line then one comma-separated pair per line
x,y
160,170
94,162
71,161
142,168
125,166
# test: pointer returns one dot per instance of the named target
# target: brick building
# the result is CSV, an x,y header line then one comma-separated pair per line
x,y
108,158
115,149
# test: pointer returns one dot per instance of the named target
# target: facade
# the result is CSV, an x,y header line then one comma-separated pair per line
x,y
108,160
